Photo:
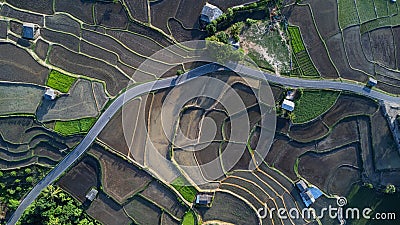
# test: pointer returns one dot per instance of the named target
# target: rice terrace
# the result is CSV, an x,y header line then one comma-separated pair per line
x,y
190,112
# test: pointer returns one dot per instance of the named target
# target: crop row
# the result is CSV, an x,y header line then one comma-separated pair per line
x,y
306,64
295,39
347,13
366,10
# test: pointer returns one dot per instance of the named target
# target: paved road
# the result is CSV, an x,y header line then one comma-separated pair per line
x,y
171,82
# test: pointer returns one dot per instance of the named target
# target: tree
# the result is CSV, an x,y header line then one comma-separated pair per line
x,y
13,173
53,206
11,191
250,21
292,116
236,38
13,204
1,174
212,38
212,28
390,189
51,192
29,179
28,171
236,28
222,37
229,13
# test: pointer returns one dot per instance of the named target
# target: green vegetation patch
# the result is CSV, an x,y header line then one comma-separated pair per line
x,y
306,64
266,47
54,206
374,24
366,10
295,39
313,103
392,7
257,58
296,69
60,81
17,182
189,218
302,64
347,13
395,20
74,126
381,7
185,189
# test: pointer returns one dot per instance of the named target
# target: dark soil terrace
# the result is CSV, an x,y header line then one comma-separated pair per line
x,y
120,178
138,9
28,70
230,209
81,178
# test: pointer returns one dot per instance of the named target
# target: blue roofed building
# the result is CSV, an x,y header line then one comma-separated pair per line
x,y
30,31
308,194
288,105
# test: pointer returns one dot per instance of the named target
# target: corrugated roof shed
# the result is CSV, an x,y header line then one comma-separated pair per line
x,y
92,194
288,105
210,13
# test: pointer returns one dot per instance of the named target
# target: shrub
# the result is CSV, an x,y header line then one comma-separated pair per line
x,y
29,179
222,37
28,170
13,204
250,21
390,189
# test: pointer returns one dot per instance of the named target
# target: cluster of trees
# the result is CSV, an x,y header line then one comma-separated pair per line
x,y
16,183
224,36
54,206
226,19
223,53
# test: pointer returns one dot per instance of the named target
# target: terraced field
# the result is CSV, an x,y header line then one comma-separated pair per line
x,y
25,142
90,51
361,46
137,197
